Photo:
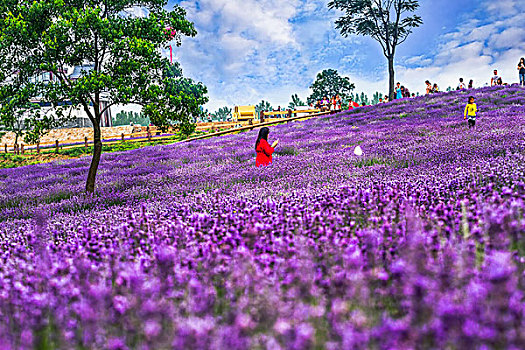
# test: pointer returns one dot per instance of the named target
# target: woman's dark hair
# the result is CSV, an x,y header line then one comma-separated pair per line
x,y
471,98
427,82
521,59
263,135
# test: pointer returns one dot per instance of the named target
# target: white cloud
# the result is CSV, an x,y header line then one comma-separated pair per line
x,y
504,7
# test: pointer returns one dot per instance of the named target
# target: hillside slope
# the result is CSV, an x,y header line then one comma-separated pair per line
x,y
418,243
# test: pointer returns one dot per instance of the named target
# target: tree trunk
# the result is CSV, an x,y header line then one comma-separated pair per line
x,y
97,152
16,143
391,78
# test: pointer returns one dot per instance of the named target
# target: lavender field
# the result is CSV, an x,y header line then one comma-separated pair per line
x,y
417,244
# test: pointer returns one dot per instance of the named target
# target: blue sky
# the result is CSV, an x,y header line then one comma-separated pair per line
x,y
249,50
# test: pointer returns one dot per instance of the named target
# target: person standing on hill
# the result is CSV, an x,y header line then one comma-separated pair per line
x,y
406,92
461,85
263,149
429,87
521,71
399,92
470,112
352,104
471,84
338,106
494,79
435,89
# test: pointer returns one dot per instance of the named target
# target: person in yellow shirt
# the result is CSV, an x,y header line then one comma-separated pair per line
x,y
470,112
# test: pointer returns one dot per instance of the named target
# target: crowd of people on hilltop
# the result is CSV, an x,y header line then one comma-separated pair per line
x,y
335,103
495,80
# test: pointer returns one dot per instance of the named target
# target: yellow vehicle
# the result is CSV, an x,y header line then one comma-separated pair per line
x,y
244,114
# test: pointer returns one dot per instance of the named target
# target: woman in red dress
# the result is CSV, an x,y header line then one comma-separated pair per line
x,y
263,149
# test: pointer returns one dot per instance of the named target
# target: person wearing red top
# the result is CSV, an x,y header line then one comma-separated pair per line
x,y
263,149
352,104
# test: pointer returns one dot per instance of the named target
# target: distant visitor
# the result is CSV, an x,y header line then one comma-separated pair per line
x,y
461,85
495,78
263,149
521,70
399,92
429,87
470,112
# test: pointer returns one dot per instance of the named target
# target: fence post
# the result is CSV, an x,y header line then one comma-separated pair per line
x,y
85,142
56,146
22,148
122,135
5,148
38,147
149,135
15,149
290,113
261,116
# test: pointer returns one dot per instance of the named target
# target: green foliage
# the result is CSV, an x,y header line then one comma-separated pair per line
x,y
381,20
364,98
183,99
329,83
263,106
296,101
126,118
223,114
20,115
286,151
377,96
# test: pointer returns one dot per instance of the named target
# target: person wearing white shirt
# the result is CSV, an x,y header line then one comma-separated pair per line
x,y
494,80
461,85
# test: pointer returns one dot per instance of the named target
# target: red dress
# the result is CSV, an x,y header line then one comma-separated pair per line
x,y
264,153
353,105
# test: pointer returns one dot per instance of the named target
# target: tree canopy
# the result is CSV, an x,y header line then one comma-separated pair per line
x,y
263,106
295,102
329,83
223,114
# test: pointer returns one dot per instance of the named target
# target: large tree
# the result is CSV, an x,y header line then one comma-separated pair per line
x,y
118,43
329,83
389,22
